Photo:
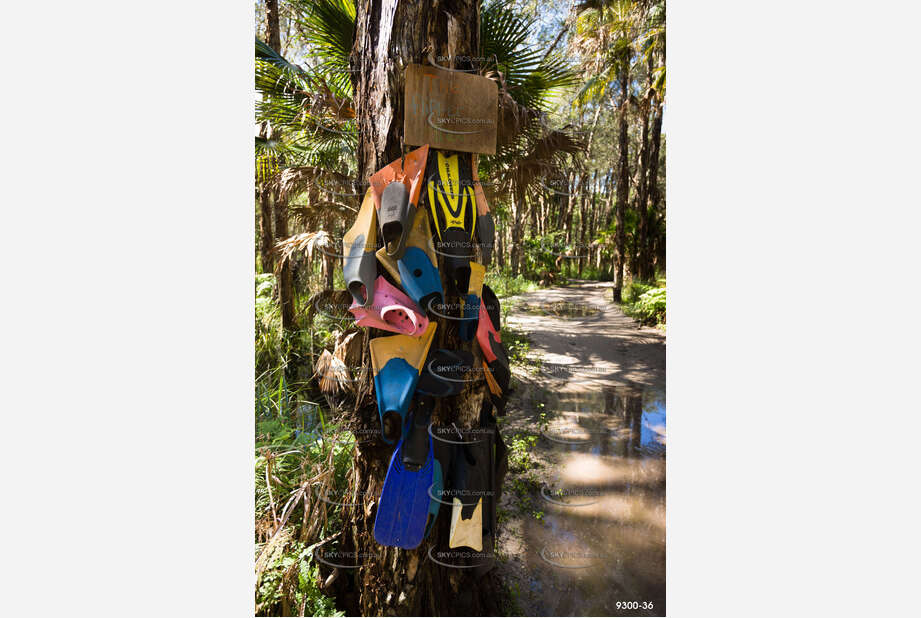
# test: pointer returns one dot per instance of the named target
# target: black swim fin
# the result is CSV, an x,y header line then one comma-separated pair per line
x,y
485,228
496,454
445,373
496,367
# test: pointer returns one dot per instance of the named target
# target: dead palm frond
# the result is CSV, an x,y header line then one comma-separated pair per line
x,y
332,373
293,180
349,351
300,243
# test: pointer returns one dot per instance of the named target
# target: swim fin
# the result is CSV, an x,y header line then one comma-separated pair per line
x,y
397,361
391,310
485,227
358,247
396,189
451,198
405,503
469,481
495,453
496,363
416,271
445,372
468,326
492,305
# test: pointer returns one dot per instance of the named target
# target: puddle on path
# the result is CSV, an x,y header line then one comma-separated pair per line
x,y
560,309
598,547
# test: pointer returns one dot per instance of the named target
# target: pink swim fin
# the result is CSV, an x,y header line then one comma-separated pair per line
x,y
391,310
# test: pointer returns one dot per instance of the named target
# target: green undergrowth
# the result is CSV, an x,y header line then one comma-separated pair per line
x,y
290,449
518,345
645,302
295,461
511,599
504,285
523,478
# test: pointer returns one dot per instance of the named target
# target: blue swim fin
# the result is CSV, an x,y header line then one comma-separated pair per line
x,y
404,505
420,278
436,496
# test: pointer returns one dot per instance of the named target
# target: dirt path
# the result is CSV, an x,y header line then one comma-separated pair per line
x,y
582,517
605,348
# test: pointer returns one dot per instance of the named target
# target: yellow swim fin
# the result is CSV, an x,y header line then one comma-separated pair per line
x,y
397,361
471,302
466,532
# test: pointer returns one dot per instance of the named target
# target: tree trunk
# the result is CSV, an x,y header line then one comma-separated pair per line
x,y
389,35
584,224
532,211
642,233
623,186
285,278
515,250
265,229
499,257
572,182
272,31
653,187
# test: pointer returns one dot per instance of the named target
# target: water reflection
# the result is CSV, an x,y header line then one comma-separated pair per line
x,y
600,538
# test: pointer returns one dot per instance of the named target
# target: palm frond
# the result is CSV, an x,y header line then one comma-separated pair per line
x,y
328,26
530,76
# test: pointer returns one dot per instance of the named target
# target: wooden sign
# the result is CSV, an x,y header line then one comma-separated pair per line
x,y
450,110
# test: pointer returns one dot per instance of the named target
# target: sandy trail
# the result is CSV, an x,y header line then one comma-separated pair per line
x,y
606,348
589,418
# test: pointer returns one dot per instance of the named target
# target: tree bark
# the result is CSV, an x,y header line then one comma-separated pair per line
x,y
515,250
389,35
265,229
272,30
642,233
285,277
584,224
623,185
653,186
280,214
